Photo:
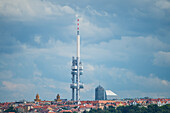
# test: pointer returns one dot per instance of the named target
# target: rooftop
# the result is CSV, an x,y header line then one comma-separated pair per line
x,y
109,92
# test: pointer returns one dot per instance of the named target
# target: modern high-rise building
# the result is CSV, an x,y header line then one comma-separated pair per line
x,y
99,93
76,71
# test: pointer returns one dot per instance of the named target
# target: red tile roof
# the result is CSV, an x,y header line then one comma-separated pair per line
x,y
66,111
37,106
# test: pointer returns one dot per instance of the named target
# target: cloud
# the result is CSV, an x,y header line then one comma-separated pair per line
x,y
51,83
123,49
134,93
61,48
88,87
51,48
6,75
29,9
16,86
37,39
90,31
117,79
56,76
117,48
162,58
165,82
26,88
163,4
37,73
94,12
122,79
89,67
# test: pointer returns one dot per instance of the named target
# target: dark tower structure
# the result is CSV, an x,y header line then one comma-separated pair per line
x,y
99,93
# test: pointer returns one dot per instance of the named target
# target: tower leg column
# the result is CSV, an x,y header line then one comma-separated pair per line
x,y
72,94
77,82
73,89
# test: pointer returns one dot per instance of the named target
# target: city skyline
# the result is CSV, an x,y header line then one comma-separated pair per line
x,y
125,46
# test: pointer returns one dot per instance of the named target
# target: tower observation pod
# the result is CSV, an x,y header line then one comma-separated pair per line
x,y
76,71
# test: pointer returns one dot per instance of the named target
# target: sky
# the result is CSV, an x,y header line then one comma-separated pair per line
x,y
125,47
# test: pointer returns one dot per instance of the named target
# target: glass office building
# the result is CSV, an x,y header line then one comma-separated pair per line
x,y
99,93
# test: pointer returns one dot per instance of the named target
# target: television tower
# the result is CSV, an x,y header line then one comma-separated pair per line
x,y
76,70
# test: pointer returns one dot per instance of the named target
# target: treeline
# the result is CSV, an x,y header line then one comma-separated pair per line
x,y
133,109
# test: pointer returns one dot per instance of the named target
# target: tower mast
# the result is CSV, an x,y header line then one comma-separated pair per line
x,y
77,70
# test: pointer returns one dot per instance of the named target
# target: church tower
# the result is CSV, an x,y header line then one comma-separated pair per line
x,y
37,98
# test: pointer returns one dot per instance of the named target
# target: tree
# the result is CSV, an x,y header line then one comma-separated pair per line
x,y
165,108
85,111
120,108
112,109
143,110
10,109
134,109
153,108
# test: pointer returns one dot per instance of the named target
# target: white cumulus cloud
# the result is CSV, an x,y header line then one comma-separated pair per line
x,y
29,9
162,58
